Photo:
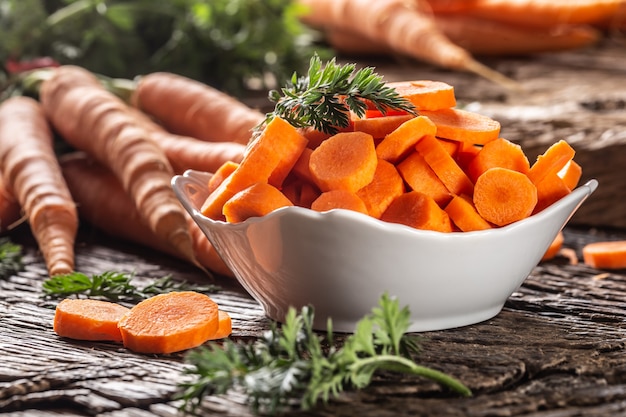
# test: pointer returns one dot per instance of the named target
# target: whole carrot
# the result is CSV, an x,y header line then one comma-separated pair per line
x,y
191,108
31,170
92,119
10,210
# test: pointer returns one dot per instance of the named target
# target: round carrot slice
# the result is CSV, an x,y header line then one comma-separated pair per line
x,y
87,319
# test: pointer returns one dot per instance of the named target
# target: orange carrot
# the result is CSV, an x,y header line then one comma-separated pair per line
x,y
30,169
399,142
10,209
191,108
170,322
277,149
451,146
417,210
571,174
220,174
605,254
498,153
554,248
464,215
464,126
380,126
301,167
225,326
549,190
87,319
257,200
446,168
420,177
552,160
386,185
344,161
451,6
103,203
103,127
426,94
503,196
339,199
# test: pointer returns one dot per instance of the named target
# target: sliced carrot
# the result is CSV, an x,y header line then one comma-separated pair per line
x,y
316,137
339,199
551,161
88,319
384,188
554,248
464,215
426,94
221,173
344,161
308,194
420,177
170,322
380,126
277,148
498,153
451,146
225,326
301,167
463,125
257,200
400,141
549,190
417,210
503,196
446,168
605,254
465,153
571,174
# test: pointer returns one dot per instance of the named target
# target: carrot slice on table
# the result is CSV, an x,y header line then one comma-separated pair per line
x,y
498,153
257,200
464,215
552,160
170,322
554,248
339,199
87,319
605,254
378,127
463,125
417,210
384,188
426,94
503,196
344,161
446,168
400,141
225,326
420,177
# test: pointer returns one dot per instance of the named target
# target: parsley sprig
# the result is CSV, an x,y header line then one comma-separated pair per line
x,y
114,286
324,98
292,363
10,257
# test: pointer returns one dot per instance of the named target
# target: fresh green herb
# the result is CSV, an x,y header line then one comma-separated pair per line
x,y
10,257
114,286
291,364
324,98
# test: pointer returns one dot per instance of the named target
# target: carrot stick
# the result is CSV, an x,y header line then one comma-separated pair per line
x,y
191,108
220,174
257,200
344,161
103,127
571,174
378,127
401,26
446,168
10,209
551,161
398,143
554,248
464,126
464,215
103,203
170,322
339,199
30,169
87,319
426,94
605,254
549,190
421,177
503,196
382,190
498,153
417,210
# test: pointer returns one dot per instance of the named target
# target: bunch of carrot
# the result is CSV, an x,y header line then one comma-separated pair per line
x,y
445,169
448,33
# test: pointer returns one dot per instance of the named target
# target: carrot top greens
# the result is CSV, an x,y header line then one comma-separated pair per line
x,y
324,98
10,257
294,362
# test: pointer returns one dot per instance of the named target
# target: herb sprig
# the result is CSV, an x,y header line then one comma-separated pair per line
x,y
324,98
114,286
291,363
10,257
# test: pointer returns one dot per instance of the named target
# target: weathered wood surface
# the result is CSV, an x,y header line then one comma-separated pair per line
x,y
557,349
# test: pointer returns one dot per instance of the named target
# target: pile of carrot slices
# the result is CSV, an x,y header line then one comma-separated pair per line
x,y
162,324
443,168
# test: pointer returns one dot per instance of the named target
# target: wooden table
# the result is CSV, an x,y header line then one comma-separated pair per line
x,y
557,349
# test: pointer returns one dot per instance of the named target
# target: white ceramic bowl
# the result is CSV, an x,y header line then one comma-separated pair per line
x,y
341,262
